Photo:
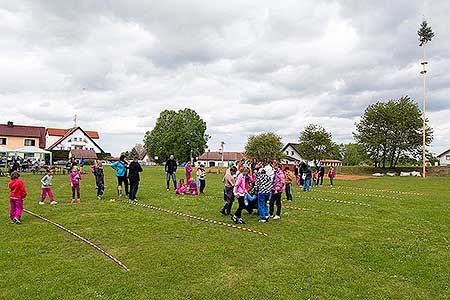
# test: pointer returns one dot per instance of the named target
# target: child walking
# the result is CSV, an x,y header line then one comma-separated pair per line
x,y
16,197
201,176
289,177
99,175
228,194
75,177
331,175
47,188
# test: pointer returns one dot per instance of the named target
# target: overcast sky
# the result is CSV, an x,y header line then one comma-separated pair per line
x,y
245,66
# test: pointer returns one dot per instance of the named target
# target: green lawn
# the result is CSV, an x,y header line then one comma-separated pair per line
x,y
398,248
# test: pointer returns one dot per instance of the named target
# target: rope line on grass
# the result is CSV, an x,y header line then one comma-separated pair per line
x,y
376,190
118,262
316,211
357,194
177,213
335,201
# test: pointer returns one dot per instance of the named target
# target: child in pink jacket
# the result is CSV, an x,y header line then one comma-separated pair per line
x,y
75,177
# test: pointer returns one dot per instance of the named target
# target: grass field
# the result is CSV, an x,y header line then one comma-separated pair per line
x,y
398,248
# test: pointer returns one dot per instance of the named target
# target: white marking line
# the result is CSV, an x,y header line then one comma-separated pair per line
x,y
335,201
375,190
118,262
196,218
316,211
356,194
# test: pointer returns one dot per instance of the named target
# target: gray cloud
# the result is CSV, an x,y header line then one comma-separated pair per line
x,y
244,66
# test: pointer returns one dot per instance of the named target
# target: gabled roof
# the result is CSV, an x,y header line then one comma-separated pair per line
x,y
81,153
24,131
62,132
216,156
443,153
293,145
68,133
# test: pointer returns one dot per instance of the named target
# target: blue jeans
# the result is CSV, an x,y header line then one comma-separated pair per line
x,y
306,186
331,181
262,205
174,178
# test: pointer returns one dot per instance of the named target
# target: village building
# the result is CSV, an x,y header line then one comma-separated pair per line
x,y
214,159
444,158
14,137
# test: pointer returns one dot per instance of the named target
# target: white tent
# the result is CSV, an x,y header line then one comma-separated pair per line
x,y
28,149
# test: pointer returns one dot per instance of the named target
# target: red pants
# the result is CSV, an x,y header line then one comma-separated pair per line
x,y
15,208
46,191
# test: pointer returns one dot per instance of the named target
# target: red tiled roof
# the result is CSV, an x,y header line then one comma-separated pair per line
x,y
24,131
62,132
330,161
85,154
69,132
216,156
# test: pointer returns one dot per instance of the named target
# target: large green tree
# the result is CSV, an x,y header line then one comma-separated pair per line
x,y
181,133
354,154
392,130
316,143
264,147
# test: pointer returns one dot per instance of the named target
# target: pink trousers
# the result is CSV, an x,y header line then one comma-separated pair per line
x,y
46,191
15,208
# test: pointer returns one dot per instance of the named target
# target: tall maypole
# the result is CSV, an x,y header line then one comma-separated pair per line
x,y
425,35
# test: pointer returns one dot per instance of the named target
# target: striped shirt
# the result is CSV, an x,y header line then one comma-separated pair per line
x,y
263,184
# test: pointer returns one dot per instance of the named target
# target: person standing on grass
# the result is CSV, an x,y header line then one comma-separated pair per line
x,y
97,170
121,173
75,178
47,188
239,190
263,186
170,167
308,176
331,175
133,175
228,194
321,174
201,177
297,172
289,177
278,187
16,197
188,170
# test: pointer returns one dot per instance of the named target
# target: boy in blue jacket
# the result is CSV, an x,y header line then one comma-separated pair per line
x,y
121,173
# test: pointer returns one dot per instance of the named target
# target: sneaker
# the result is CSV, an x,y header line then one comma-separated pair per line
x,y
53,202
262,221
223,212
267,218
234,219
78,201
11,221
99,197
41,203
167,189
241,221
17,221
276,217
73,201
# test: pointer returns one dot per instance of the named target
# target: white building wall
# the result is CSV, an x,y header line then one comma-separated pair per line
x,y
444,159
290,151
76,139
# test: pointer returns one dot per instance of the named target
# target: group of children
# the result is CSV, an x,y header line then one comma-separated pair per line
x,y
192,186
255,184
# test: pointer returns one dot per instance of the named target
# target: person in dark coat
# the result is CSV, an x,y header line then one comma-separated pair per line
x,y
321,174
134,169
171,168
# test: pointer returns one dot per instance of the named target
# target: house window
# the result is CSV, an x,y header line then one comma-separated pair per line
x,y
29,142
447,157
2,141
287,152
292,152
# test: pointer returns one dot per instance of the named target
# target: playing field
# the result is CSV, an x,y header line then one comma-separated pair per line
x,y
396,248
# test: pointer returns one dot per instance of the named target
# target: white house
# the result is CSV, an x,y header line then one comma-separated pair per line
x,y
71,139
214,159
444,158
291,153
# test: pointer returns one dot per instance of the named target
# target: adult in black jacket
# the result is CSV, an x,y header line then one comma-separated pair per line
x,y
134,169
171,169
321,174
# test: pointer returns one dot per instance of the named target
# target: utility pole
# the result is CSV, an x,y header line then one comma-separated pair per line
x,y
222,150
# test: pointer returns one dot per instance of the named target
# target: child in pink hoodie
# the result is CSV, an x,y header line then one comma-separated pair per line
x,y
181,188
75,177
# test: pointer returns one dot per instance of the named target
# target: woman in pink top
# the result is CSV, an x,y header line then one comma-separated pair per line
x,y
188,170
239,191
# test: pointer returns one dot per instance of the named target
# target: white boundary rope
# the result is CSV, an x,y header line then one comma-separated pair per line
x,y
334,201
356,194
316,211
118,262
173,212
384,191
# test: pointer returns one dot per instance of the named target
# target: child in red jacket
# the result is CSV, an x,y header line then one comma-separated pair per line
x,y
18,193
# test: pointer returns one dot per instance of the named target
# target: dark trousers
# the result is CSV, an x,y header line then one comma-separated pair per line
x,y
76,189
302,181
202,185
124,180
241,206
228,197
321,179
134,185
100,183
289,191
276,198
